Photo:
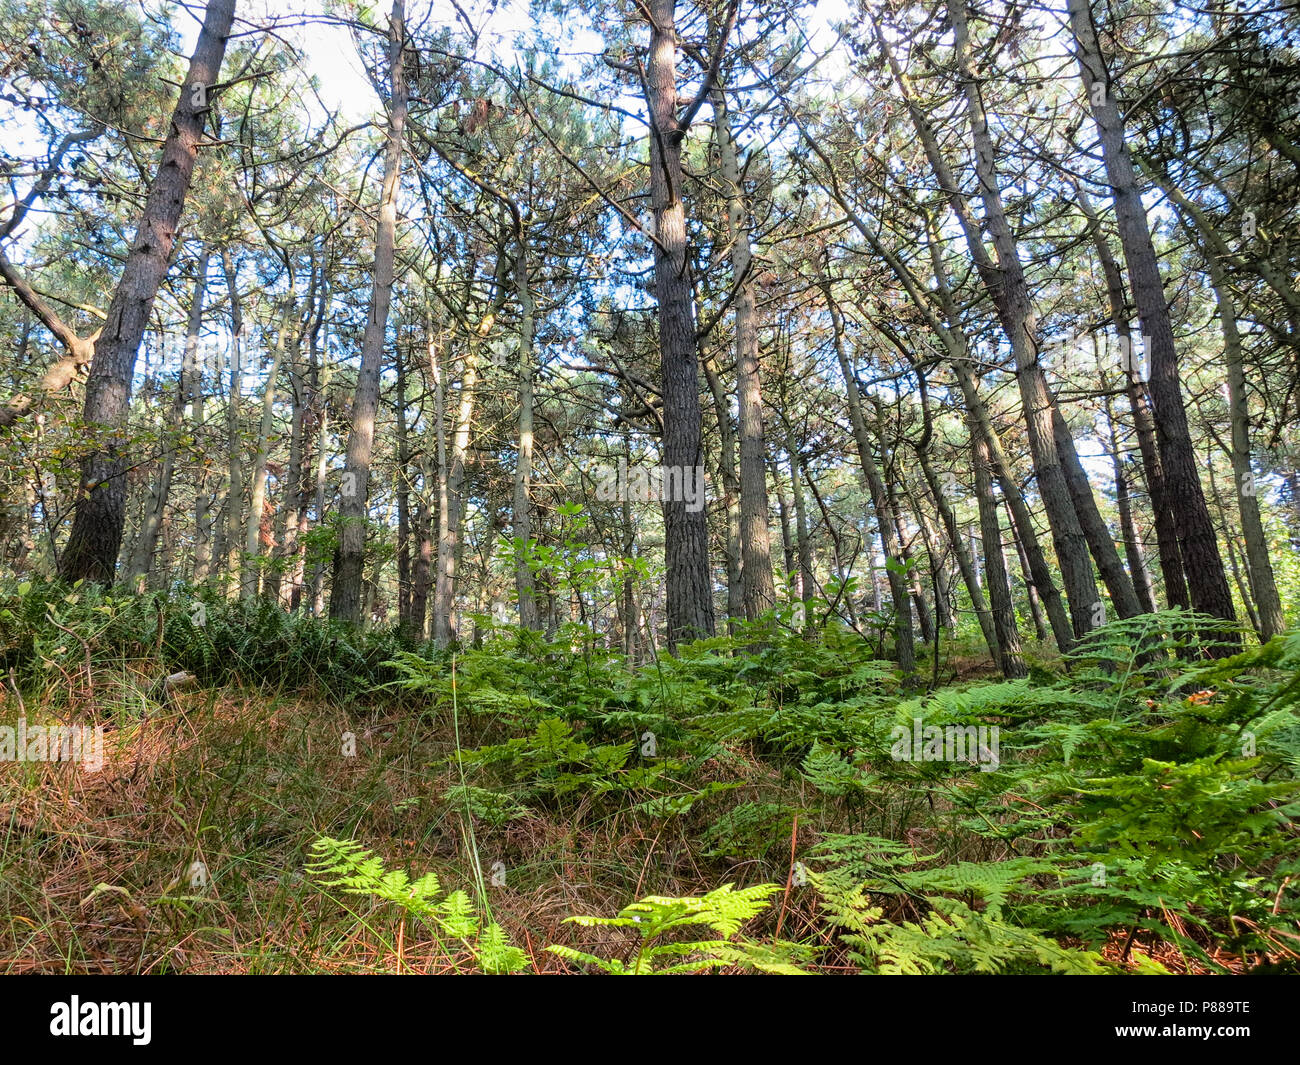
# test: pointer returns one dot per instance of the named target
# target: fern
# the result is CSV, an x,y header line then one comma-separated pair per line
x,y
346,864
950,938
723,911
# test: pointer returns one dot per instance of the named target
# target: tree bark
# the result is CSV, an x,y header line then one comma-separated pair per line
x,y
1006,285
1207,581
966,564
1137,565
803,542
147,543
1171,560
726,467
904,640
1259,567
755,539
96,537
1031,592
523,478
228,537
402,491
995,565
451,482
252,569
349,561
686,534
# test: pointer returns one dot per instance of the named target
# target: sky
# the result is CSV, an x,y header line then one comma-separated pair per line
x,y
329,53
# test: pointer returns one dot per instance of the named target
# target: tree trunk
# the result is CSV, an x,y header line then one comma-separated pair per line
x,y
783,514
402,491
686,534
322,469
1171,561
523,504
803,541
1137,565
1259,568
755,540
726,467
349,561
1101,541
422,571
1031,592
903,637
995,566
966,564
924,617
1207,582
252,571
943,606
147,542
1040,573
1006,285
96,536
451,481
228,531
313,422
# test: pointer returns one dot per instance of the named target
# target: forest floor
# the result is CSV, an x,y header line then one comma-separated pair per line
x,y
1125,839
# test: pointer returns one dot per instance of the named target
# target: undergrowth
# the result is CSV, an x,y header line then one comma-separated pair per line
x,y
324,801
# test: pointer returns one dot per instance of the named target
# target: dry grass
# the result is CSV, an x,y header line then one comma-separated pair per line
x,y
95,867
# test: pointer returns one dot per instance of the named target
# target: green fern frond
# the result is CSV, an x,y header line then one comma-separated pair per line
x,y
346,864
723,911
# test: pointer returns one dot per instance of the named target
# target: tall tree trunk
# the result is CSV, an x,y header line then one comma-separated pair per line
x,y
228,531
915,589
203,517
252,571
1101,541
783,514
755,540
943,607
1040,573
147,542
442,590
96,536
631,613
523,504
995,565
1137,565
1207,581
726,468
451,464
1171,560
402,491
803,541
422,570
349,561
1031,592
313,421
286,525
422,575
686,534
322,470
966,564
1006,285
451,482
1259,568
885,522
